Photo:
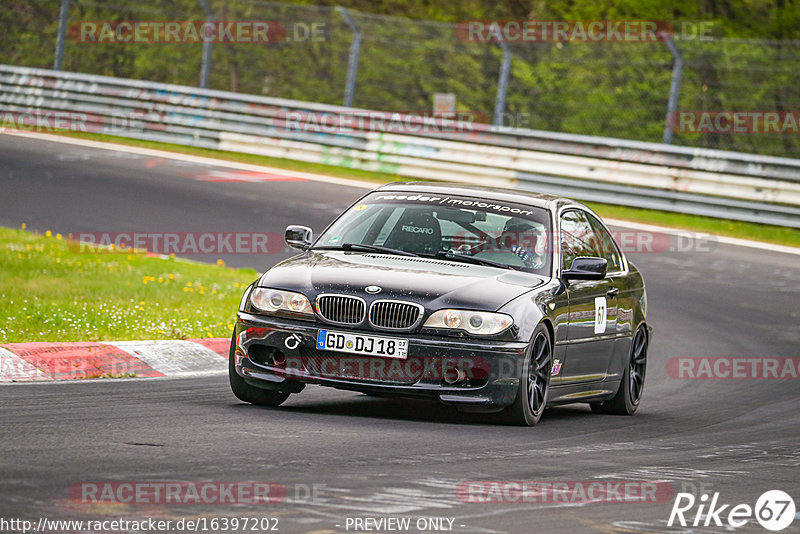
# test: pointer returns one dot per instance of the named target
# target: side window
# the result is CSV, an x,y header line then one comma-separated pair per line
x,y
608,248
577,238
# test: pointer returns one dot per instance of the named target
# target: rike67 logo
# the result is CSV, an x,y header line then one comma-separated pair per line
x,y
774,510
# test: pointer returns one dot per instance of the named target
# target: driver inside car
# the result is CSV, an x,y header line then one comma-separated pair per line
x,y
522,238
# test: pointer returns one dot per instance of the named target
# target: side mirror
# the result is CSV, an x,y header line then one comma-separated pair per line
x,y
299,236
585,268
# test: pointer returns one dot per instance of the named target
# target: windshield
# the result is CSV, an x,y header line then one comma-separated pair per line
x,y
452,228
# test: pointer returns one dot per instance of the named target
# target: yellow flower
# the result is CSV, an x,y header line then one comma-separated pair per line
x,y
58,236
48,234
172,276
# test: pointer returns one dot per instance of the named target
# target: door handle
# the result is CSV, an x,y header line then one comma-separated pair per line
x,y
611,293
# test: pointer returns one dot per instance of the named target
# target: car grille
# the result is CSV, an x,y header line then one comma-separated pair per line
x,y
341,309
392,314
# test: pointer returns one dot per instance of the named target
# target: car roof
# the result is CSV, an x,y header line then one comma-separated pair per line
x,y
541,200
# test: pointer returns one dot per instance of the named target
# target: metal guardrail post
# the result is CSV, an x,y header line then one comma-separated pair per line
x,y
502,85
674,88
62,34
205,66
352,61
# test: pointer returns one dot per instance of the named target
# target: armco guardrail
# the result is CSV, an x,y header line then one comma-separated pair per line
x,y
746,187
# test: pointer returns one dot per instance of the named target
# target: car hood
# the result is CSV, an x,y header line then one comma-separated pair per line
x,y
433,283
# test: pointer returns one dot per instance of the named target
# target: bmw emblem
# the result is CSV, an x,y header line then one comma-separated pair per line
x,y
372,289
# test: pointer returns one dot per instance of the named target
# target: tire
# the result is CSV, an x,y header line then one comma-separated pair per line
x,y
534,382
247,393
629,394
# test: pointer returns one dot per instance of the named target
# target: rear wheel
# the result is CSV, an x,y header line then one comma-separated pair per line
x,y
626,401
534,382
247,393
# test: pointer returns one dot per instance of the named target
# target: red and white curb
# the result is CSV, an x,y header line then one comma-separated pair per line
x,y
116,359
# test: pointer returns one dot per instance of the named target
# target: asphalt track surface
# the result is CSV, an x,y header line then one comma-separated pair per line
x,y
380,457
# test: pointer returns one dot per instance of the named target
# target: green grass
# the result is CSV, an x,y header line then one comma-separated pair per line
x,y
744,230
50,291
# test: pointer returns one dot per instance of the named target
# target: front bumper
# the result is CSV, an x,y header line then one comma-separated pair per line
x,y
281,354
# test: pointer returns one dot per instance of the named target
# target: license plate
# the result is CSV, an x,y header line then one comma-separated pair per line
x,y
360,344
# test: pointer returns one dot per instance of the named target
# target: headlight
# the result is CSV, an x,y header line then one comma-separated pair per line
x,y
277,301
473,322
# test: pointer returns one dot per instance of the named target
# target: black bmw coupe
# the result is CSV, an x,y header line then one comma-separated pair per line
x,y
489,300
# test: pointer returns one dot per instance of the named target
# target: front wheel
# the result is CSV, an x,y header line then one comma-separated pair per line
x,y
626,401
534,382
247,393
